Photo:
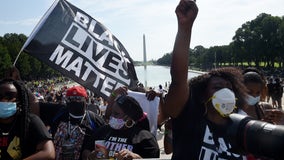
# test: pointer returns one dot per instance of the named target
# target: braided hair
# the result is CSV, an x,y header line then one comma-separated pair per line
x,y
23,107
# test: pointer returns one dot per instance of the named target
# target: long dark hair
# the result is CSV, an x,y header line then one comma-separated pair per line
x,y
234,75
23,107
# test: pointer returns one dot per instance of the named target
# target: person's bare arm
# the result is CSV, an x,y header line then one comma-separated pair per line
x,y
177,96
45,151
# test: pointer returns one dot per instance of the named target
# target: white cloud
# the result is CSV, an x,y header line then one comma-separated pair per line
x,y
24,22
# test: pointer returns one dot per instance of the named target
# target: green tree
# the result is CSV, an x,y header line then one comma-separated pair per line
x,y
165,60
196,57
5,60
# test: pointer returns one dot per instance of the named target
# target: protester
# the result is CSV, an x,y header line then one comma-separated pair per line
x,y
13,73
103,108
270,90
277,93
201,107
127,136
148,100
23,134
71,124
255,82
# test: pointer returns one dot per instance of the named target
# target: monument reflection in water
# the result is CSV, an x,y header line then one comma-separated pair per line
x,y
153,76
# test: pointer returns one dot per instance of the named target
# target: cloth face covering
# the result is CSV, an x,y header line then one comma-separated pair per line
x,y
76,107
116,123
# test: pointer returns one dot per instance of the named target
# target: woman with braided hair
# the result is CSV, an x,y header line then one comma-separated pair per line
x,y
22,134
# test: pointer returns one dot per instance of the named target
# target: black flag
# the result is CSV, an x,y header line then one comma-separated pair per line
x,y
81,48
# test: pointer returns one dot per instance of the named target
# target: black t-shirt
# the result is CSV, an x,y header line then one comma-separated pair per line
x,y
10,145
194,137
139,141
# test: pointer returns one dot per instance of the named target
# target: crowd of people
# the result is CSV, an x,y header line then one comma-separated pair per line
x,y
40,120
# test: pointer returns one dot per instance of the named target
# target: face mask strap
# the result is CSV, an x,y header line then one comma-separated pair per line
x,y
209,100
220,112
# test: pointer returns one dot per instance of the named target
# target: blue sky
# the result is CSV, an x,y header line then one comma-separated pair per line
x,y
128,20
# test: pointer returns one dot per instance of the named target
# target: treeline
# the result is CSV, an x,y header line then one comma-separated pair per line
x,y
29,67
259,43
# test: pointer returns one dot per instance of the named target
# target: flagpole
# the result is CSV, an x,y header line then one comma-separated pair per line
x,y
18,57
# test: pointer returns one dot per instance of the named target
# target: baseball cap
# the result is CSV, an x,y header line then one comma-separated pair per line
x,y
76,91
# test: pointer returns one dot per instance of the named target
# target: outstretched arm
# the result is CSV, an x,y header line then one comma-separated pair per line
x,y
186,12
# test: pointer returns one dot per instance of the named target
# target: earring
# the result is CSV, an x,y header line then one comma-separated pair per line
x,y
129,125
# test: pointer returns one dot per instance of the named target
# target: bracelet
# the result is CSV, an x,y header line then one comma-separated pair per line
x,y
113,94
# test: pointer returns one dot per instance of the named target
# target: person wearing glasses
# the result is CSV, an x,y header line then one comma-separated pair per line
x,y
127,135
22,134
70,124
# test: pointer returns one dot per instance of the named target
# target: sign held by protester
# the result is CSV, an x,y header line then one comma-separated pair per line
x,y
75,44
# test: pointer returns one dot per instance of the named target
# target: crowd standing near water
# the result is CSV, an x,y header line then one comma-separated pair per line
x,y
60,119
52,95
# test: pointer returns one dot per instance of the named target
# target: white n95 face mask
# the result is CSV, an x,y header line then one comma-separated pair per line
x,y
224,101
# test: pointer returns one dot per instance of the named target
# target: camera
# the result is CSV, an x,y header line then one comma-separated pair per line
x,y
255,137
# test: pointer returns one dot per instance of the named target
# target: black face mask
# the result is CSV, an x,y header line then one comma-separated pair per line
x,y
76,108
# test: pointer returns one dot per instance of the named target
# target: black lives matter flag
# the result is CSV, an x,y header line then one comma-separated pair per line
x,y
81,48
